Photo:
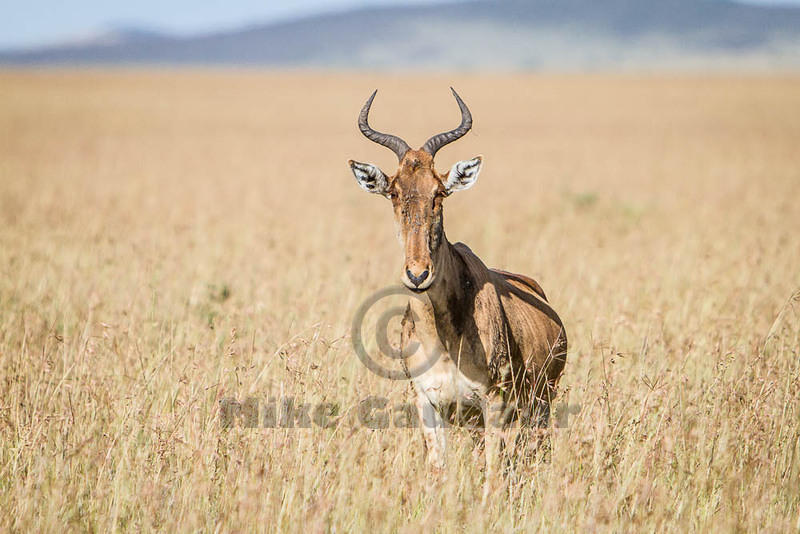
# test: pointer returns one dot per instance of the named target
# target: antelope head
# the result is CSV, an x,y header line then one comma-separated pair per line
x,y
416,191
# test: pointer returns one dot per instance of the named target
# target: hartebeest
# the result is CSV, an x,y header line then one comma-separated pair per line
x,y
498,344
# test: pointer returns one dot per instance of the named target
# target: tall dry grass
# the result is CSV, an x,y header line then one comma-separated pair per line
x,y
168,240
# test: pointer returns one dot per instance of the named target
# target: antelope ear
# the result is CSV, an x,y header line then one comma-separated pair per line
x,y
369,177
463,175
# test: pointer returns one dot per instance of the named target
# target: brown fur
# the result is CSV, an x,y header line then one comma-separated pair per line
x,y
484,337
497,340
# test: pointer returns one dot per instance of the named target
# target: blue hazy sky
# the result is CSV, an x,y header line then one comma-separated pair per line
x,y
34,22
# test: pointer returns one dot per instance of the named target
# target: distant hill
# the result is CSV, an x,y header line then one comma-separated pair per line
x,y
484,34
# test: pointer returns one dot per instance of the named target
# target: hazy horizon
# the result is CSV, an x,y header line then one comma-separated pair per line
x,y
39,23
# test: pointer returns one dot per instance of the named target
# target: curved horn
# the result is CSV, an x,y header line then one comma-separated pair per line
x,y
436,142
392,142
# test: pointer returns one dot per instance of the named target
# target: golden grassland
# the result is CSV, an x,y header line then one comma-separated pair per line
x,y
171,239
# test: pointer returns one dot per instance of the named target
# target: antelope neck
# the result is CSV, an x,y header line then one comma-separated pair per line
x,y
449,294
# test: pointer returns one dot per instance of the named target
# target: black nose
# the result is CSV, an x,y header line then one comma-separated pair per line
x,y
417,280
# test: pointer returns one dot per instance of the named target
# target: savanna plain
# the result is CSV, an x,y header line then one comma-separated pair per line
x,y
169,240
